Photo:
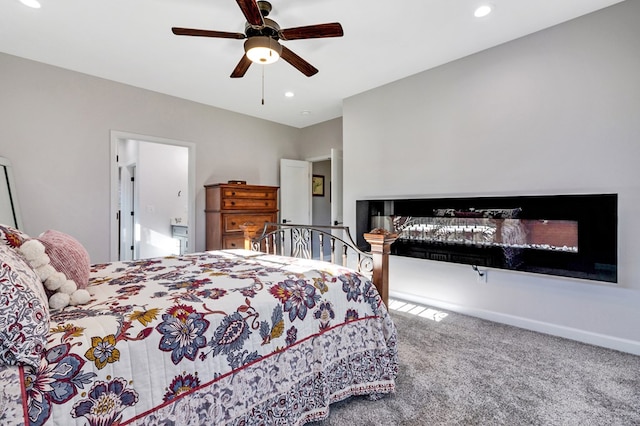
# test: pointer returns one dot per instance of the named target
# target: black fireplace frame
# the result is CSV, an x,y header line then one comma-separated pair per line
x,y
597,227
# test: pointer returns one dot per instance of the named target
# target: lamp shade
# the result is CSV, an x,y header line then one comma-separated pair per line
x,y
262,49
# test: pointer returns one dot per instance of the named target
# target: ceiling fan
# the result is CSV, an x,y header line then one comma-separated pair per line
x,y
262,38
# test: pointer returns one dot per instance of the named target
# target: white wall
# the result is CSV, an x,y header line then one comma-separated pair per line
x,y
55,128
162,174
552,113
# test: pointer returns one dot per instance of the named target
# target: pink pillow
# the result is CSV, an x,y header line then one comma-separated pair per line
x,y
67,256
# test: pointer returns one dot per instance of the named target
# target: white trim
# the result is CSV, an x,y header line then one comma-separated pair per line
x,y
610,342
113,209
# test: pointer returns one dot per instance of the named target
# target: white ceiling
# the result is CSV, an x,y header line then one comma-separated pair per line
x,y
130,41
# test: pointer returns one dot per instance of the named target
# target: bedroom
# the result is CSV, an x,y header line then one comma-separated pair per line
x,y
553,112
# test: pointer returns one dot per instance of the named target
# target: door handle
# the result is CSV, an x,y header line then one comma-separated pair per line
x,y
336,223
285,220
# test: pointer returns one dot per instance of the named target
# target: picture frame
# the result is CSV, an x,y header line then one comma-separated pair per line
x,y
317,185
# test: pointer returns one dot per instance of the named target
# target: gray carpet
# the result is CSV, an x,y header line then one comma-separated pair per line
x,y
466,371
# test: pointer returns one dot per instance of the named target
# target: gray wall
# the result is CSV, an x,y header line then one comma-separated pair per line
x,y
321,206
320,138
55,128
551,113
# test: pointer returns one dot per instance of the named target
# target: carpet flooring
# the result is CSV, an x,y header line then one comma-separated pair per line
x,y
460,370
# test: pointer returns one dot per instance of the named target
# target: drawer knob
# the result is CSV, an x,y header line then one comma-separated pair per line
x,y
233,223
233,244
266,204
233,193
233,203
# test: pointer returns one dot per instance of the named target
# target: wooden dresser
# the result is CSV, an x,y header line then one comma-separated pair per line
x,y
228,206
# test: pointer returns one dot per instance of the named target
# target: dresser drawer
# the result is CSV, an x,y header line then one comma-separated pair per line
x,y
232,222
266,194
248,204
232,242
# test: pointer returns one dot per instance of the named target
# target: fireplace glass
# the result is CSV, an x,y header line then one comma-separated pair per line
x,y
565,235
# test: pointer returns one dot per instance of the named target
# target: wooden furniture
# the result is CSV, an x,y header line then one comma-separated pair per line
x,y
298,241
229,205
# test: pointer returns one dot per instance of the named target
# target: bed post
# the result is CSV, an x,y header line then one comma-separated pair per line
x,y
249,229
381,241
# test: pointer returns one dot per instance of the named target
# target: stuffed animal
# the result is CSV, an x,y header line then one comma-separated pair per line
x,y
61,291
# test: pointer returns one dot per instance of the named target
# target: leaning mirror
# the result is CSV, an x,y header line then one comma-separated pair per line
x,y
9,210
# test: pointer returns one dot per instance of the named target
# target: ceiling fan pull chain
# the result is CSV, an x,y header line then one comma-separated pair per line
x,y
263,85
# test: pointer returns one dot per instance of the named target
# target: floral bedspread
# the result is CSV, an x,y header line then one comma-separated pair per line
x,y
224,337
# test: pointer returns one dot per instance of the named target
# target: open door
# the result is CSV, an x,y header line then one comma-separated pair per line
x,y
127,250
295,192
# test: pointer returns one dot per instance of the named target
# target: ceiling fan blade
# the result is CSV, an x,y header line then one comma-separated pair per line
x,y
206,33
300,64
251,11
241,68
312,31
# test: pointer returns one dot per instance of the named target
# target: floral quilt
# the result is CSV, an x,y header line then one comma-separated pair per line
x,y
225,337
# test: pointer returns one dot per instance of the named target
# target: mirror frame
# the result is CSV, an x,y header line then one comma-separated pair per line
x,y
9,181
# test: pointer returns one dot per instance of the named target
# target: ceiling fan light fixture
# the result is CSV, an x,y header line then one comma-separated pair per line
x,y
262,49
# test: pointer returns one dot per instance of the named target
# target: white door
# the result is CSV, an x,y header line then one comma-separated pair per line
x,y
127,212
295,192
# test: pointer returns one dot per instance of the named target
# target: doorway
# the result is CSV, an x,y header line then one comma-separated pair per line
x,y
152,192
296,200
321,199
298,204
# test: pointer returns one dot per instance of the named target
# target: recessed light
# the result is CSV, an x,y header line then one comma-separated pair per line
x,y
289,94
483,11
305,112
35,4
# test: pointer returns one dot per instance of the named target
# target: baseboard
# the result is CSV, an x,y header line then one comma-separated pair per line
x,y
602,340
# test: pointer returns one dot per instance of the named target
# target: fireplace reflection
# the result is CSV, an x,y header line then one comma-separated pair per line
x,y
515,233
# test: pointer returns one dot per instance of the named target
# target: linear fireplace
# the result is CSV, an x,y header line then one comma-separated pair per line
x,y
565,235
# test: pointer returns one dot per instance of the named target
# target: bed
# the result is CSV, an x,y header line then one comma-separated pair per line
x,y
238,337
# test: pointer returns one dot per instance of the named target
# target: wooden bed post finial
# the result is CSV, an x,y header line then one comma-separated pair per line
x,y
250,229
381,240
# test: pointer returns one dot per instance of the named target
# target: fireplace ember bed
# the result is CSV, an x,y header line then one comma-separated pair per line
x,y
565,235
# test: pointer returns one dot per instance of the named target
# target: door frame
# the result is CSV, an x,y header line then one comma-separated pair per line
x,y
117,136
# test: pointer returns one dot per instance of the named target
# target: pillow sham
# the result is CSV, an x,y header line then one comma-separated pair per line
x,y
12,237
67,255
24,316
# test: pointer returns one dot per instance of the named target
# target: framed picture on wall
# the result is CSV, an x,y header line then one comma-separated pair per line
x,y
317,186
